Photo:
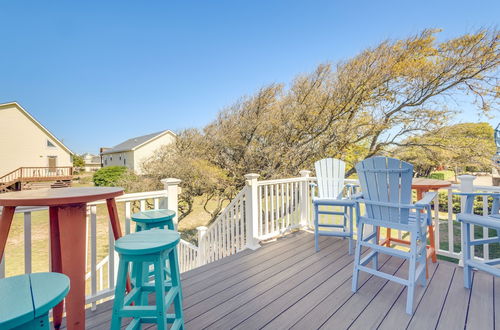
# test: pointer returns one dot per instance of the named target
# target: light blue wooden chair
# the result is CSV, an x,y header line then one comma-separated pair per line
x,y
492,220
386,196
330,183
25,300
141,249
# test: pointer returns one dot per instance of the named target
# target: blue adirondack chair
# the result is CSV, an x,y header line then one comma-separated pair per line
x,y
386,194
492,220
330,175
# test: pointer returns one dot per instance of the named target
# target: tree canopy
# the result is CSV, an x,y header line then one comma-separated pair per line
x,y
456,147
360,107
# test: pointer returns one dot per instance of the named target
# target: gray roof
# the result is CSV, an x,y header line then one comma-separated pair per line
x,y
130,144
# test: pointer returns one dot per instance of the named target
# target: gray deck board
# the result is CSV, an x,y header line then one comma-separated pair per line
x,y
249,302
323,311
285,284
374,313
210,310
428,311
454,310
350,310
480,314
397,314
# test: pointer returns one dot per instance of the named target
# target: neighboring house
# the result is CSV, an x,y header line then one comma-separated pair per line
x,y
133,152
92,162
24,142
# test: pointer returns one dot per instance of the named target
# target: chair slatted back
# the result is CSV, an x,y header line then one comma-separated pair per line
x,y
330,174
386,180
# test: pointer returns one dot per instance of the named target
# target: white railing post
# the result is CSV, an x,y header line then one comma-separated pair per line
x,y
252,211
202,231
466,186
304,199
172,187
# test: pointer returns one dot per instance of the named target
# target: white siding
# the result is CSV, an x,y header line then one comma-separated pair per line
x,y
147,150
134,159
125,158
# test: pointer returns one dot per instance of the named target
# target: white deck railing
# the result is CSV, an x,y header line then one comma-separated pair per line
x,y
262,210
101,274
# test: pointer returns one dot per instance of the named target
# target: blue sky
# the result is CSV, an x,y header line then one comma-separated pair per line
x,y
98,72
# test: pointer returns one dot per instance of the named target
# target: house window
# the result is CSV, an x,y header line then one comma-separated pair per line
x,y
50,144
110,158
124,161
105,161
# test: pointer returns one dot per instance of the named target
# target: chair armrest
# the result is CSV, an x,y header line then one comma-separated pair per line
x,y
469,200
427,199
357,196
351,189
474,194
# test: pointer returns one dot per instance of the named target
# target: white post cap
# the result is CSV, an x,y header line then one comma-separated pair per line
x,y
171,181
252,176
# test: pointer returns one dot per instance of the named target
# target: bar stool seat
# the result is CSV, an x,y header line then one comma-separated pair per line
x,y
147,242
150,219
141,249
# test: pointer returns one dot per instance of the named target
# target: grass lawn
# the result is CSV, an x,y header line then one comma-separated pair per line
x,y
14,253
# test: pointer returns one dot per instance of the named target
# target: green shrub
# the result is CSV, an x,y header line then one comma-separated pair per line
x,y
436,175
442,175
109,176
478,203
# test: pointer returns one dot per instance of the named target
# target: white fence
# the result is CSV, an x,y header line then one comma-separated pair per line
x,y
261,210
101,273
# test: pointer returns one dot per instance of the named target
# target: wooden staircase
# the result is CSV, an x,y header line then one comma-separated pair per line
x,y
27,178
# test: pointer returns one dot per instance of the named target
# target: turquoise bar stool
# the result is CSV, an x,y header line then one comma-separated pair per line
x,y
150,219
25,300
142,249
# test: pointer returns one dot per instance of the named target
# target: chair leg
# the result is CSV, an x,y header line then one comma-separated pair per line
x,y
344,219
411,274
350,229
388,238
161,313
141,275
432,240
375,241
357,256
466,256
424,261
176,283
116,319
316,227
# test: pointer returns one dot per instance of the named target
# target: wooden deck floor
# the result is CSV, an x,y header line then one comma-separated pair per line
x,y
287,285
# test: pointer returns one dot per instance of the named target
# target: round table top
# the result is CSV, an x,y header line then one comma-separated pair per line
x,y
59,196
425,183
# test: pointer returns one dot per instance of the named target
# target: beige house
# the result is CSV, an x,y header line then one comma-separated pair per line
x,y
24,142
92,162
133,152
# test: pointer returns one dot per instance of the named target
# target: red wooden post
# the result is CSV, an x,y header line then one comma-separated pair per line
x,y
55,258
72,222
5,222
115,225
